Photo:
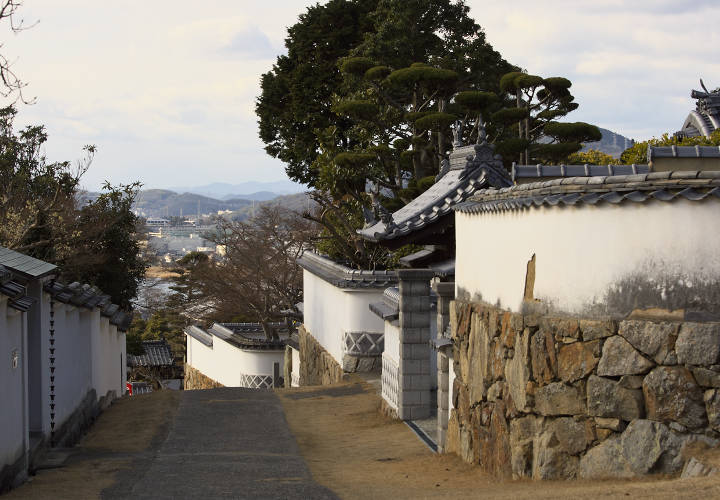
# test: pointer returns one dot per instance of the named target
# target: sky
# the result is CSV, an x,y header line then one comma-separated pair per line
x,y
166,89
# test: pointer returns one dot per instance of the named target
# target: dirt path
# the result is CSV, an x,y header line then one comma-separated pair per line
x,y
353,450
129,429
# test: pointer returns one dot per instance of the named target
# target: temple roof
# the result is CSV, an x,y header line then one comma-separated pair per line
x,y
705,118
470,169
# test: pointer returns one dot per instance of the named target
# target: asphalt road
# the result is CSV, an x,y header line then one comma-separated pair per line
x,y
221,443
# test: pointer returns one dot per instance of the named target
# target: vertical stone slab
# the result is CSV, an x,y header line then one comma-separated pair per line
x,y
414,322
445,294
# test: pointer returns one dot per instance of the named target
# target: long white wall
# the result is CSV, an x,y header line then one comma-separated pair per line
x,y
586,254
329,312
13,409
225,363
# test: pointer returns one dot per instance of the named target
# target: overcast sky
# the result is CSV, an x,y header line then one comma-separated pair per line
x,y
165,88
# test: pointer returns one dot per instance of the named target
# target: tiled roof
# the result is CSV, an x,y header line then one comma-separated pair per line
x,y
530,171
200,335
14,290
342,276
705,118
83,295
389,307
661,186
156,353
471,168
24,265
683,152
242,335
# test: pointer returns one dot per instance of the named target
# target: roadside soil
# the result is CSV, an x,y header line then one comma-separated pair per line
x,y
353,450
129,429
160,273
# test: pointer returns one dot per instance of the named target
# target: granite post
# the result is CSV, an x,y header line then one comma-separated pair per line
x,y
414,322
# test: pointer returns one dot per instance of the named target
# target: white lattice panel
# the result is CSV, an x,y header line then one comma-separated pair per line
x,y
390,378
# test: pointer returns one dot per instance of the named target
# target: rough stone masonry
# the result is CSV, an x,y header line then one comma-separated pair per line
x,y
559,398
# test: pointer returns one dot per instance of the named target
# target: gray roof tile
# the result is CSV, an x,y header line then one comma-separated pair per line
x,y
471,168
616,189
156,353
342,276
25,265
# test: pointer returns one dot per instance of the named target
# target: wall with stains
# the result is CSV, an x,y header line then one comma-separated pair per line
x,y
594,260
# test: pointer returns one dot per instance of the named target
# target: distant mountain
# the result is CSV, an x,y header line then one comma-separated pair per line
x,y
166,203
222,190
611,143
299,202
259,196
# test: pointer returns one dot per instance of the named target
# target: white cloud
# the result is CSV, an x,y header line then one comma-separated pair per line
x,y
167,90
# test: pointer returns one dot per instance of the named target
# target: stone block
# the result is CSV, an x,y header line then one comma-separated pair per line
x,y
571,434
366,364
655,340
578,360
597,329
561,327
495,391
494,445
607,398
550,461
543,357
497,359
517,371
605,461
614,424
705,377
559,399
644,442
631,381
698,343
671,395
621,358
712,407
477,358
415,335
696,468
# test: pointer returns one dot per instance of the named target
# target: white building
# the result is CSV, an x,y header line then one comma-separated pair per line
x,y
65,352
235,355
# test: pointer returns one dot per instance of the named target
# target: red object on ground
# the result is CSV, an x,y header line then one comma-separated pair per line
x,y
128,386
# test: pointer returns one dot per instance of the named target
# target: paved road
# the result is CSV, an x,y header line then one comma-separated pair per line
x,y
222,443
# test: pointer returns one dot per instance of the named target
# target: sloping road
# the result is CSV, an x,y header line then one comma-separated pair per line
x,y
222,443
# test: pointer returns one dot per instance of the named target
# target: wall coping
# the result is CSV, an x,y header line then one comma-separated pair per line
x,y
342,276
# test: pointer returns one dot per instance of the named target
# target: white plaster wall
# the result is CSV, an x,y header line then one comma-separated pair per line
x,y
73,360
451,381
13,410
225,363
392,342
329,312
582,251
295,375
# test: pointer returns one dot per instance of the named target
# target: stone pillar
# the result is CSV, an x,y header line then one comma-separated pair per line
x,y
445,293
414,322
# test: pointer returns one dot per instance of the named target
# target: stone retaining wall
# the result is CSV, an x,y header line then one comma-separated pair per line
x,y
195,380
559,398
317,366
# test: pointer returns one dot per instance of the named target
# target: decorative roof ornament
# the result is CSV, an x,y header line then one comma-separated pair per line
x,y
385,217
444,167
705,118
457,131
